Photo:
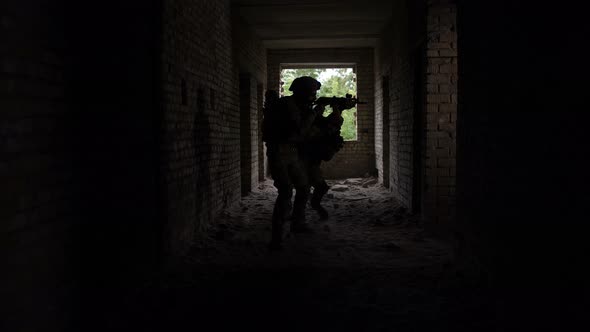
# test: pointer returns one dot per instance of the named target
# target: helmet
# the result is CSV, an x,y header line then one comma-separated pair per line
x,y
305,84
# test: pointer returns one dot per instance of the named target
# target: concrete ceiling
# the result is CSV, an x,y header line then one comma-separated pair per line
x,y
314,24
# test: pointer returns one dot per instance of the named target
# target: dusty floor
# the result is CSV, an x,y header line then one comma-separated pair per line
x,y
370,267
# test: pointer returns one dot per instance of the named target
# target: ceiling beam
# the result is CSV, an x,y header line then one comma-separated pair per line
x,y
320,43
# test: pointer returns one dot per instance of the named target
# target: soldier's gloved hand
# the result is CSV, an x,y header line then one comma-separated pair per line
x,y
337,109
319,109
335,119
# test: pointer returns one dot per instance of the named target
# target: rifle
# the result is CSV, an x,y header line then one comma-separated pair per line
x,y
342,103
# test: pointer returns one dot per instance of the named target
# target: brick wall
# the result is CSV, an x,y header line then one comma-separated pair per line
x,y
201,120
262,161
249,51
250,57
397,52
441,115
357,158
419,57
249,132
379,121
382,105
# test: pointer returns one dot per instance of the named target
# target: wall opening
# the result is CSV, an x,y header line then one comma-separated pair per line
x,y
336,81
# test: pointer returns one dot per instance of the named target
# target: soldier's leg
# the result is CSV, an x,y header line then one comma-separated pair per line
x,y
280,213
300,180
320,188
282,208
301,198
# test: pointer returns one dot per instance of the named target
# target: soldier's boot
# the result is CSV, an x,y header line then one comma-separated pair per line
x,y
300,225
318,193
298,221
276,241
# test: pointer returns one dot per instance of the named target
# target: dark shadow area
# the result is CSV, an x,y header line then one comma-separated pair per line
x,y
520,165
86,73
120,170
370,267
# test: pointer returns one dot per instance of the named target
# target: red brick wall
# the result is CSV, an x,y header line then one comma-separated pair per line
x,y
357,158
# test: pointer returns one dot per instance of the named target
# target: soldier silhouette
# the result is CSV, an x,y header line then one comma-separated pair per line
x,y
287,125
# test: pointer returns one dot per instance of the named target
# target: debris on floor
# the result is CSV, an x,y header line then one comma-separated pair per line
x,y
369,267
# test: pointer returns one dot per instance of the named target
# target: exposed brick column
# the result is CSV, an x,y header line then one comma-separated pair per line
x,y
441,115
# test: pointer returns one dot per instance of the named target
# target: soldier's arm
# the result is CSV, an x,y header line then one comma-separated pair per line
x,y
300,122
307,127
335,120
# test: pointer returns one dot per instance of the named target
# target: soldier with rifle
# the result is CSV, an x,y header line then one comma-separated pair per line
x,y
322,145
287,124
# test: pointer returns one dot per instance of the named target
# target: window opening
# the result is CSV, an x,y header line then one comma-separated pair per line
x,y
335,82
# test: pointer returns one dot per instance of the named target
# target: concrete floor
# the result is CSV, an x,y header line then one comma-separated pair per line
x,y
370,267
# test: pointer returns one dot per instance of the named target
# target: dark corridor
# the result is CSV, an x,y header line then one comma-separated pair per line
x,y
134,189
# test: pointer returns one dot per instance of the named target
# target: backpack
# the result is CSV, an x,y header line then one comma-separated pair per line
x,y
326,148
270,121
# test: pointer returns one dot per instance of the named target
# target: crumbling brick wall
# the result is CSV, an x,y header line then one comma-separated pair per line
x,y
201,120
357,158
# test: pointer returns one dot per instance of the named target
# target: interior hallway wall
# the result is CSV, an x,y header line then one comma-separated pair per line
x,y
399,42
417,53
205,48
200,143
250,56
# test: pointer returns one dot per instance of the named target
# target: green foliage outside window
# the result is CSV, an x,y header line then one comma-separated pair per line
x,y
335,82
